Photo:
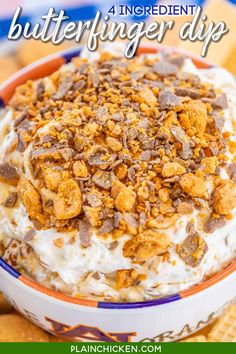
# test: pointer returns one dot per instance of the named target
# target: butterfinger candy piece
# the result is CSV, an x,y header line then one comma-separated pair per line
x,y
31,200
8,173
168,100
225,328
53,177
67,203
146,245
224,198
194,116
171,169
192,250
125,200
163,68
193,186
4,306
14,328
103,179
182,138
56,339
125,278
213,224
64,87
195,339
11,200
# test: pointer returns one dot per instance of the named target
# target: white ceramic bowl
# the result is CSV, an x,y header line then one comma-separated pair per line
x,y
166,319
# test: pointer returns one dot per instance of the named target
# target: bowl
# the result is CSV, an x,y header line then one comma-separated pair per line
x,y
160,320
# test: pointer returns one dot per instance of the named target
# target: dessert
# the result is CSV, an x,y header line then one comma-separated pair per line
x,y
118,177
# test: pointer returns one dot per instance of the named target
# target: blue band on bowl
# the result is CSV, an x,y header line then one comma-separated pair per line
x,y
2,104
133,305
69,55
9,269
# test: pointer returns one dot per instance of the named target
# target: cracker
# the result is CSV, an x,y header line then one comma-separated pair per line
x,y
56,339
225,328
14,328
206,330
4,306
199,338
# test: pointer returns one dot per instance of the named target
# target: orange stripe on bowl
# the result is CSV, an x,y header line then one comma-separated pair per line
x,y
34,73
183,294
33,284
147,50
207,283
200,64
